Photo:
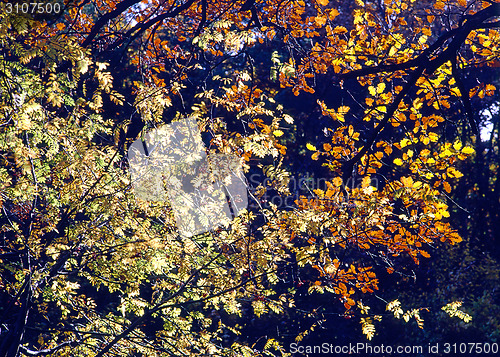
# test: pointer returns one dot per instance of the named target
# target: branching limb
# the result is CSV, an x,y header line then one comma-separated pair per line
x,y
203,17
349,165
464,95
120,7
425,65
48,351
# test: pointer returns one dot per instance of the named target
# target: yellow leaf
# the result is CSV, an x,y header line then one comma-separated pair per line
x,y
433,137
337,181
380,87
339,117
418,103
372,90
445,153
366,181
407,181
278,133
323,2
333,13
468,150
452,172
455,91
320,20
444,213
422,39
24,123
311,147
447,187
339,30
404,142
358,17
398,162
343,110
457,145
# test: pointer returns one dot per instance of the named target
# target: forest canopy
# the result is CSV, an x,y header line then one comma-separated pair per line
x,y
353,147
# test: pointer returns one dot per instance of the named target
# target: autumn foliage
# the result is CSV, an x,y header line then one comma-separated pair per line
x,y
378,99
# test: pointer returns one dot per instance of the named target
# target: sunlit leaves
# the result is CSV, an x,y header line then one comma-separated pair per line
x,y
367,327
383,200
338,114
151,101
453,310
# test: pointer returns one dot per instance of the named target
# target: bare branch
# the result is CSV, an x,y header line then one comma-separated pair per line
x,y
464,95
48,351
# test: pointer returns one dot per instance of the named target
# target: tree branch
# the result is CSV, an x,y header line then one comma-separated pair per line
x,y
12,340
135,31
424,66
474,22
151,311
48,351
464,95
349,165
405,65
203,17
120,7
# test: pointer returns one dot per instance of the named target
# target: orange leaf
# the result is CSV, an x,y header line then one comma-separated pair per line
x,y
425,254
320,20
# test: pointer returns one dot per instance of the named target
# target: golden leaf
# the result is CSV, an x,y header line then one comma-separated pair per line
x,y
468,150
311,147
320,20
